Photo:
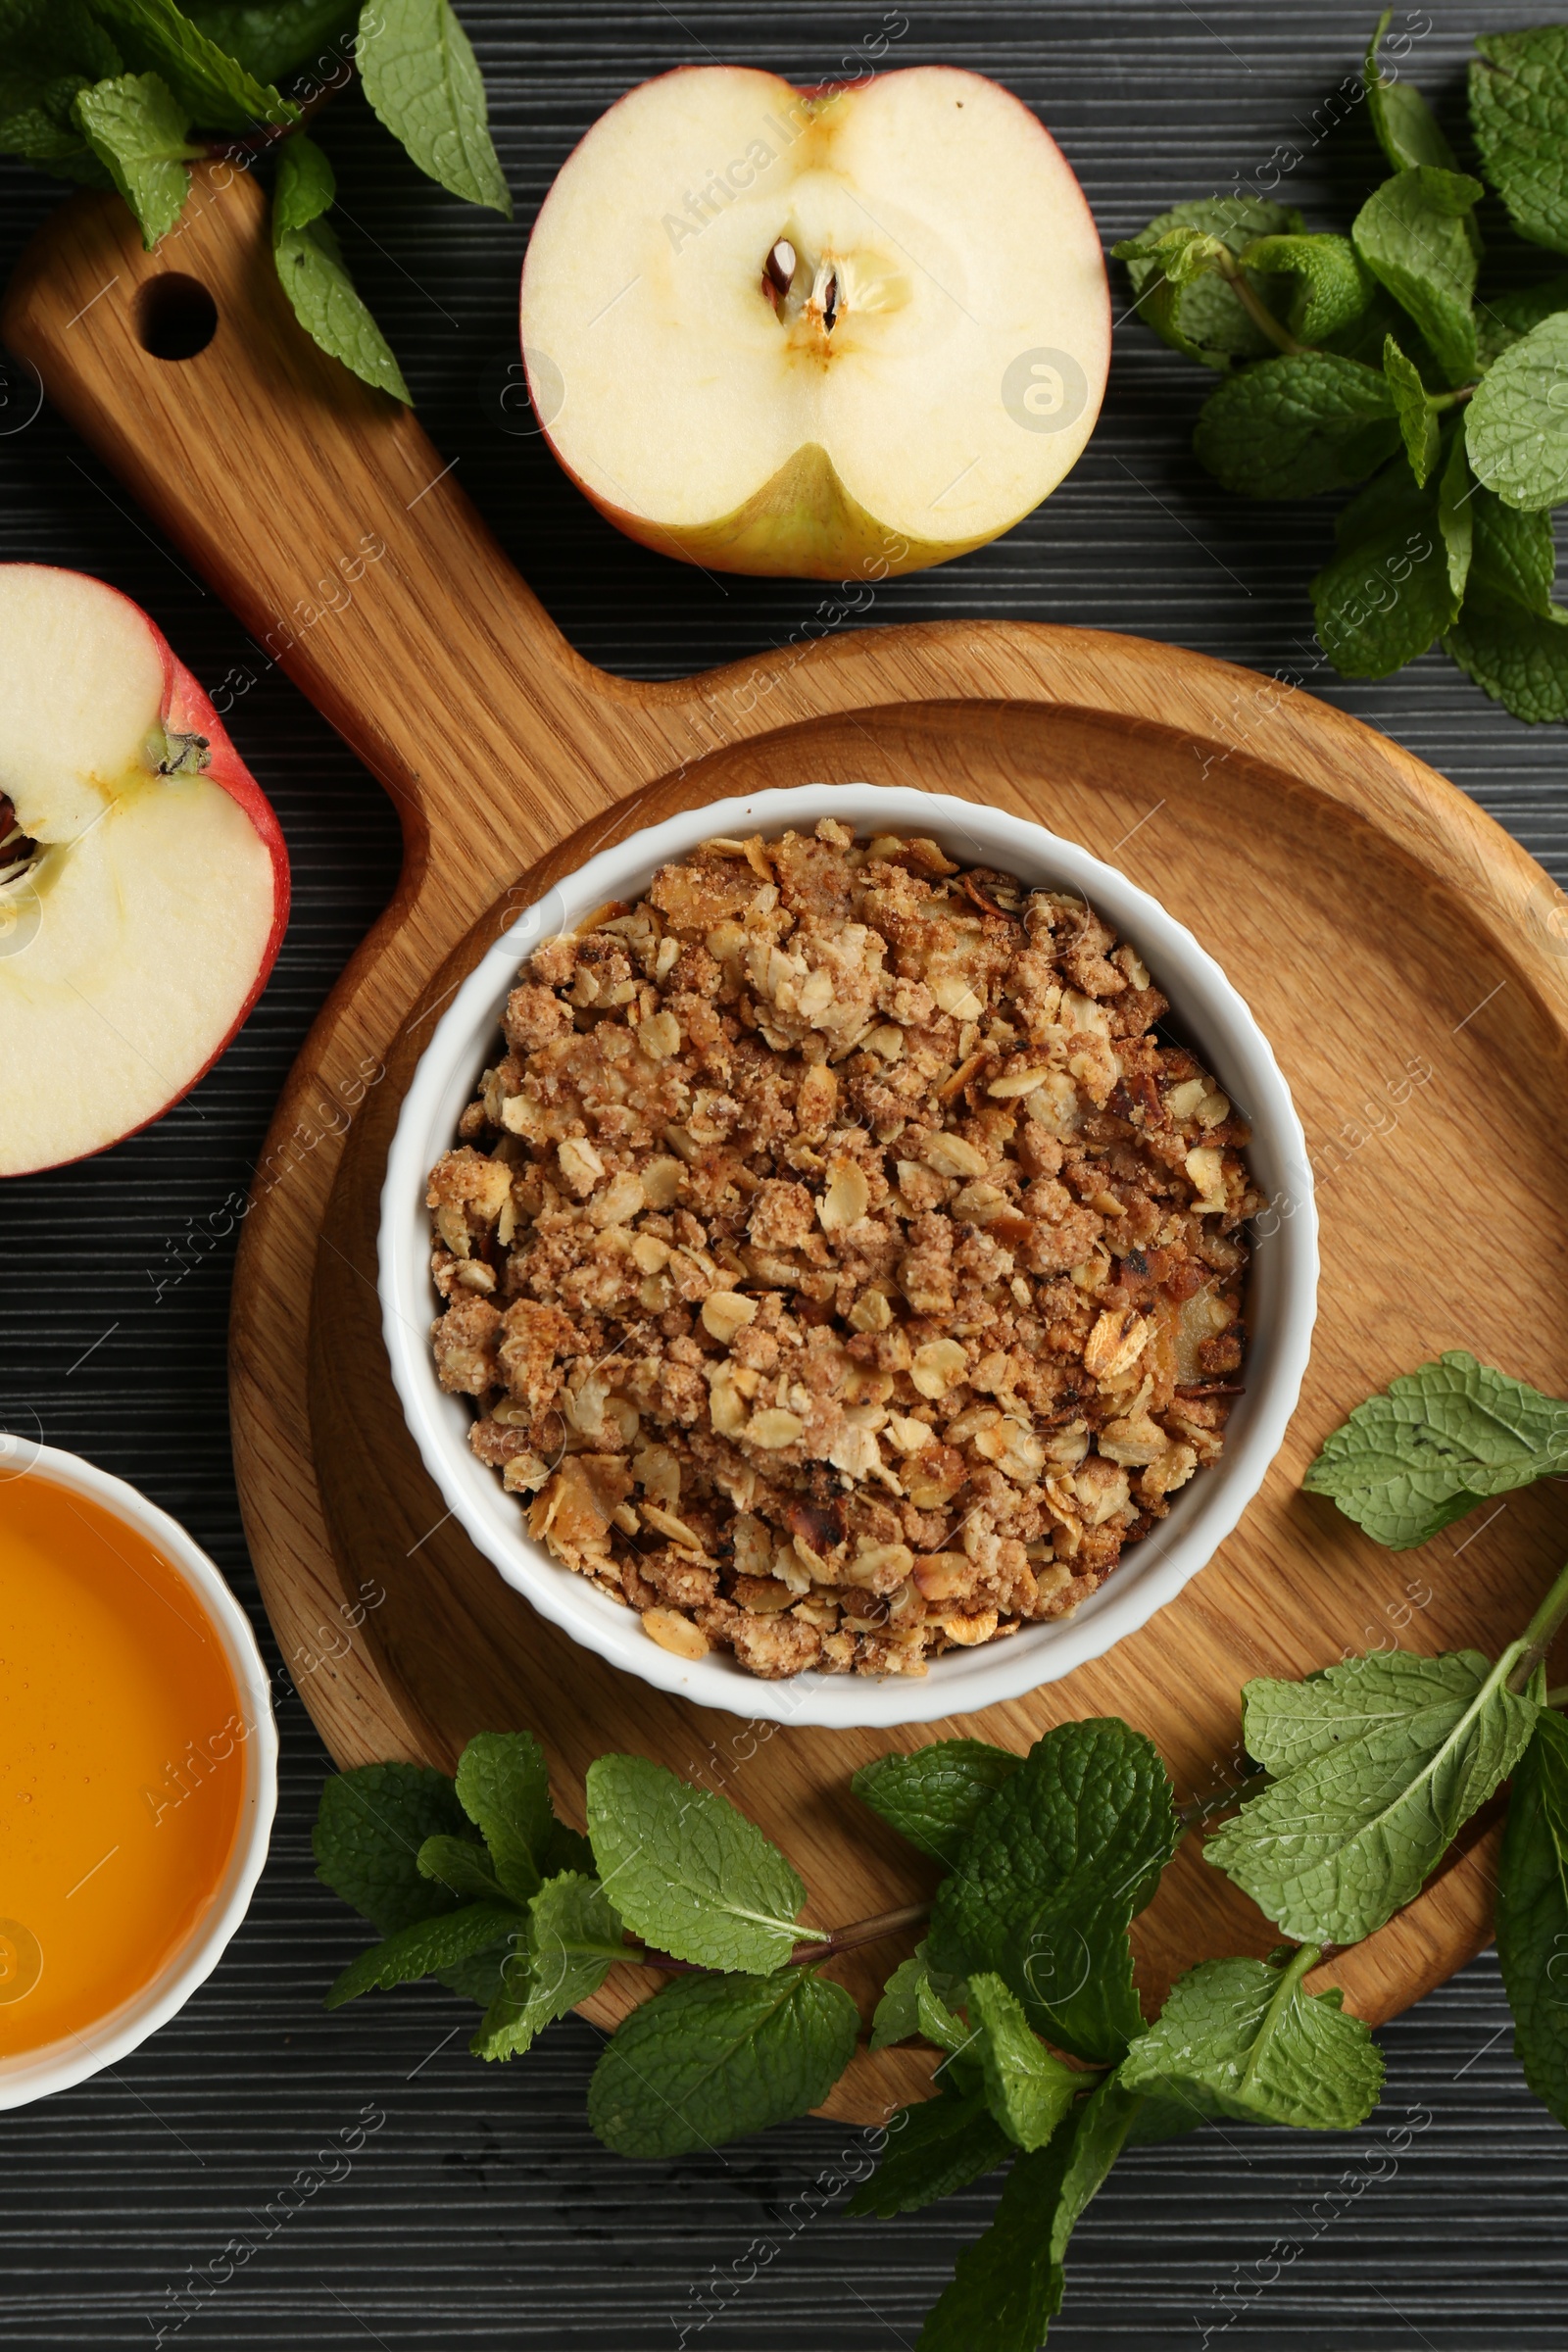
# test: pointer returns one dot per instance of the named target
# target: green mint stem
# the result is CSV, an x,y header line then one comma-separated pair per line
x,y
1538,1632
1235,277
822,1946
1559,1696
1451,399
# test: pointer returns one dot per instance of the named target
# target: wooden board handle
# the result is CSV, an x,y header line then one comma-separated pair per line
x,y
320,513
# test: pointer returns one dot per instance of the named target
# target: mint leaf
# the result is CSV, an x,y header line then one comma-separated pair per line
x,y
932,1797
213,90
1510,635
897,2012
305,188
50,52
1297,1723
948,2032
1029,2091
273,38
933,2149
1533,1913
462,1865
687,1872
1434,1444
1418,422
1182,253
1389,590
1520,658
1204,318
1519,113
1457,493
140,133
1401,120
1383,1761
1512,555
1503,318
1516,428
897,2017
310,266
1411,234
568,1849
421,1948
370,1826
39,122
1101,2128
420,78
1058,1862
1332,289
710,2058
1241,2037
503,1784
56,37
575,1940
1288,428
481,1976
1006,2288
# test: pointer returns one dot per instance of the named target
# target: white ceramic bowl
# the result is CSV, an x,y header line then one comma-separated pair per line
x,y
32,2074
1206,1010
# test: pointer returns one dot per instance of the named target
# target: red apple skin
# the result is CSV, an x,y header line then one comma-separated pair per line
x,y
662,542
188,710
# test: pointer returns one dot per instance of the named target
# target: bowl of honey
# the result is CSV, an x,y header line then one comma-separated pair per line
x,y
138,1770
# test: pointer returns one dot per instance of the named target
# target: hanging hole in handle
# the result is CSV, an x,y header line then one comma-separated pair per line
x,y
175,316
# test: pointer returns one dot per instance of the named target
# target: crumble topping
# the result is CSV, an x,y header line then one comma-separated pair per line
x,y
842,1267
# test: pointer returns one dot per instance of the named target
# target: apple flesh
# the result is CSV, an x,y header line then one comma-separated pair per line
x,y
830,333
143,878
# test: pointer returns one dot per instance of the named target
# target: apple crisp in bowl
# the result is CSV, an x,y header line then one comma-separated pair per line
x,y
845,1264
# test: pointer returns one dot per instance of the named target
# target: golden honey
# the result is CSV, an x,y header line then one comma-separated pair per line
x,y
121,1763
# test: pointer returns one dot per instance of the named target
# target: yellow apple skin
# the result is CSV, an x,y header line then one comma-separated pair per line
x,y
802,525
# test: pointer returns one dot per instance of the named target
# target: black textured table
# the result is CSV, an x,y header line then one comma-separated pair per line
x,y
200,2193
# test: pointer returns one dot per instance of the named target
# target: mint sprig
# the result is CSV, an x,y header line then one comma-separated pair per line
x,y
1371,1767
126,94
1348,355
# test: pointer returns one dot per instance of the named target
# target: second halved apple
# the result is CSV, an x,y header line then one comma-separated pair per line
x,y
823,333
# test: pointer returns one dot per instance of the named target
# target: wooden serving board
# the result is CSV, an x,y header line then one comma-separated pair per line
x,y
1407,959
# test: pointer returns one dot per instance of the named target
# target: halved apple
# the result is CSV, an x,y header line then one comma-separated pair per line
x,y
143,878
830,333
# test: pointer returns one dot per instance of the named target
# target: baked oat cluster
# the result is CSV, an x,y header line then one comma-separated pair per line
x,y
843,1267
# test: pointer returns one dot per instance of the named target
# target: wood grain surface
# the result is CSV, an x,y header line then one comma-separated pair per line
x,y
1402,952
